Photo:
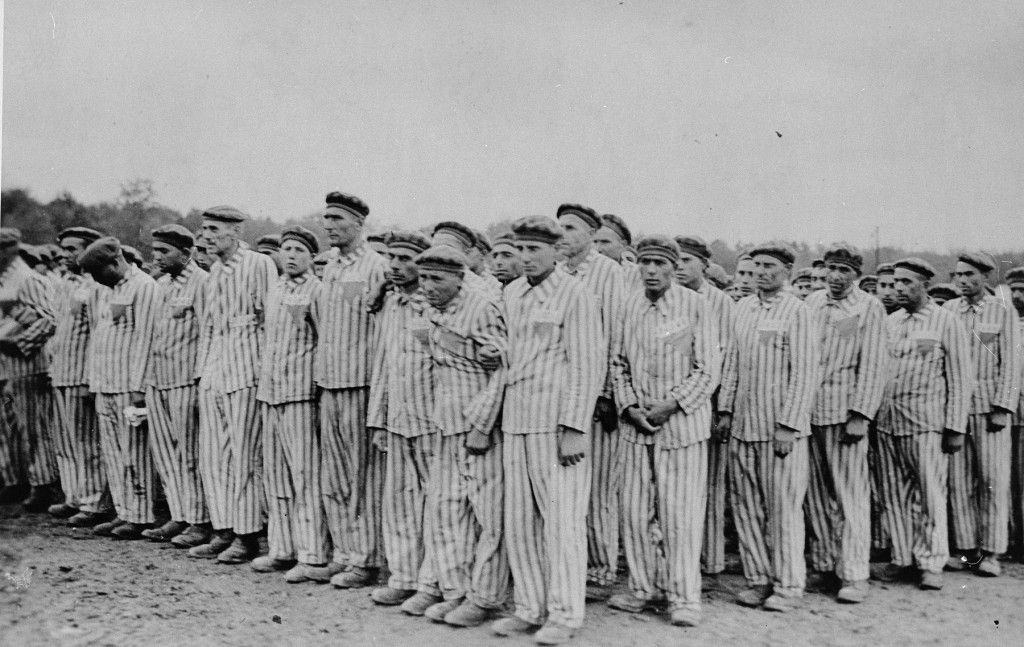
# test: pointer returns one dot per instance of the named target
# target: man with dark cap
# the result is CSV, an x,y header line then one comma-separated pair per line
x,y
270,245
378,242
819,275
715,274
881,545
745,283
694,256
465,491
768,384
802,283
118,360
400,422
886,289
352,469
462,238
666,369
76,301
851,325
923,416
868,283
505,262
230,427
172,399
1015,284
613,240
201,254
479,256
604,279
940,293
26,323
556,367
297,534
979,476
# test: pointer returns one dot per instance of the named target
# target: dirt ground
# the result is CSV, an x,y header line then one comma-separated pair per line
x,y
65,587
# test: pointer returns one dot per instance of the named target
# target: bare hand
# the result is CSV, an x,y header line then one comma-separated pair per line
x,y
952,441
604,413
658,413
785,439
639,420
572,445
477,443
855,430
379,439
723,428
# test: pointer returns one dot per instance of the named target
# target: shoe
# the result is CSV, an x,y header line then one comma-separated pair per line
x,y
128,530
958,562
166,532
194,535
243,549
437,611
598,593
853,592
13,493
893,573
629,603
753,596
419,603
62,510
39,499
930,581
268,564
822,582
86,519
467,614
989,566
685,617
513,625
782,603
354,578
321,574
106,529
220,540
553,633
389,597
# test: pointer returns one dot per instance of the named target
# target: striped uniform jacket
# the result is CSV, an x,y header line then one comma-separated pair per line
x,y
493,284
720,309
772,367
402,379
485,285
466,395
854,355
557,355
631,276
292,329
603,278
26,318
669,349
1019,418
232,324
119,352
176,337
991,327
930,373
75,303
345,351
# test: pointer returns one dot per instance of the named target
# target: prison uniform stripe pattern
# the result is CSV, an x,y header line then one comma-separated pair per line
x,y
77,445
75,300
26,318
176,336
119,351
408,465
1017,468
292,330
231,458
28,405
127,459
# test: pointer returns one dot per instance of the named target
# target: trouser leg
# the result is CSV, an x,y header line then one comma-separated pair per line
x,y
79,457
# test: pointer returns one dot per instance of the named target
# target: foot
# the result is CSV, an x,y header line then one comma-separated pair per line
x,y
39,499
553,633
268,564
318,573
128,530
598,593
419,603
62,510
194,535
959,562
629,603
822,582
893,573
107,528
86,519
467,614
989,566
389,597
853,592
243,549
13,493
166,532
685,617
753,596
354,578
930,581
513,625
219,542
782,603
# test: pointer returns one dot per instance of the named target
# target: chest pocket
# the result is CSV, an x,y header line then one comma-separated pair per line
x,y
420,329
987,333
544,321
678,337
297,307
846,328
773,332
122,312
352,290
456,344
180,307
924,342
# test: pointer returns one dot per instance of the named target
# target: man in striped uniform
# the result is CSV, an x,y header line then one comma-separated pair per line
x,y
119,355
505,262
924,415
352,470
296,525
75,303
881,545
746,283
979,476
270,245
26,323
465,491
802,283
612,240
694,256
400,421
462,238
603,278
885,291
230,428
478,259
171,396
556,368
768,385
1015,283
854,360
818,274
665,371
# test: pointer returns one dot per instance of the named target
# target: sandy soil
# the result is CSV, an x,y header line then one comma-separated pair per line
x,y
64,587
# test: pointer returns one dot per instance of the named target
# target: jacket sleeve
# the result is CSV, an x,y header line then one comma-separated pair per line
x,y
804,371
873,362
705,371
586,355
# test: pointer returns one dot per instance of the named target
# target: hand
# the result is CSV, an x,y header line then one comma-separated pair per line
x,y
785,439
637,418
855,430
138,400
379,439
572,445
658,413
998,420
604,413
477,443
723,428
490,357
952,441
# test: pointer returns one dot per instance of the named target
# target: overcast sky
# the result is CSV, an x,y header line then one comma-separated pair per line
x,y
811,120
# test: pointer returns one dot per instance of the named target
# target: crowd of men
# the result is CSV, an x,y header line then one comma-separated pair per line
x,y
484,418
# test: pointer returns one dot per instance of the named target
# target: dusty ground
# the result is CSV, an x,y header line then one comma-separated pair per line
x,y
59,587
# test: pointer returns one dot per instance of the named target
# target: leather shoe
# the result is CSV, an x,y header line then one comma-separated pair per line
x,y
468,614
107,529
194,535
355,577
389,597
418,604
782,603
853,592
166,532
598,593
893,573
989,566
321,574
13,493
87,519
630,603
39,498
243,549
930,581
753,596
685,617
436,612
219,542
268,564
128,530
62,510
513,625
553,633
822,582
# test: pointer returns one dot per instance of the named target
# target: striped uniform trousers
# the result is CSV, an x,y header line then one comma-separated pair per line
x,y
29,454
465,503
174,440
916,472
603,521
231,457
839,504
79,456
664,494
979,488
713,544
1017,490
545,509
296,523
352,473
407,469
767,501
879,527
126,457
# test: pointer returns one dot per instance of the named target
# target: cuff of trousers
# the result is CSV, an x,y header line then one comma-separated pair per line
x,y
485,603
788,591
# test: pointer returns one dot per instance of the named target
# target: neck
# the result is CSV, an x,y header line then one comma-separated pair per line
x,y
409,287
229,252
845,294
175,272
914,306
769,293
694,283
891,309
537,280
975,299
654,295
574,261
